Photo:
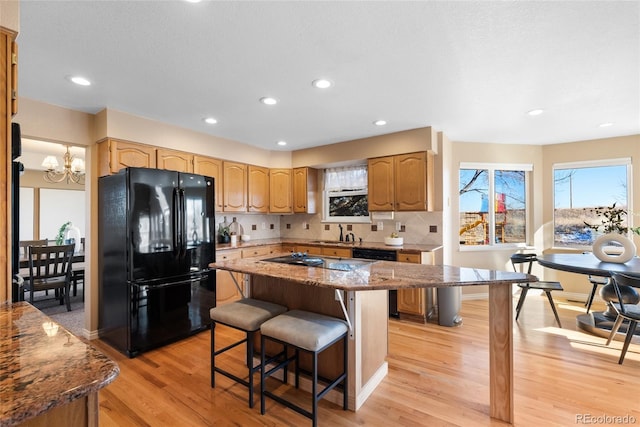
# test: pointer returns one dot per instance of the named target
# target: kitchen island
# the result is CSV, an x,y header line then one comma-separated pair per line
x,y
47,375
363,290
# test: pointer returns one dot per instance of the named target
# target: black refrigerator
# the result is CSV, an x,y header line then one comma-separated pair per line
x,y
156,240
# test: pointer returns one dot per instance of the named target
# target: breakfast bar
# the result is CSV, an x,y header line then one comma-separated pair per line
x,y
357,292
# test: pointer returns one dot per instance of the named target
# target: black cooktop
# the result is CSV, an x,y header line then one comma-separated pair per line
x,y
301,258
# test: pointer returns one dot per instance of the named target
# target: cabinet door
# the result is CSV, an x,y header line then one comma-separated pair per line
x,y
411,301
311,250
337,252
411,182
258,189
381,184
304,190
114,155
208,166
234,183
260,251
226,290
280,191
172,160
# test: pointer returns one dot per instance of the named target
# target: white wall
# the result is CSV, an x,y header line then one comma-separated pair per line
x,y
58,207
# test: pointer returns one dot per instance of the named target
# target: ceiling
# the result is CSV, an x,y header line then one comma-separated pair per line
x,y
470,69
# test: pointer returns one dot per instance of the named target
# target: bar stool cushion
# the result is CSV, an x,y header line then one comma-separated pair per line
x,y
246,314
310,331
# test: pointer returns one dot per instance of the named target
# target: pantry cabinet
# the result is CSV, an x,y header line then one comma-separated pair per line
x,y
401,183
280,191
258,189
304,190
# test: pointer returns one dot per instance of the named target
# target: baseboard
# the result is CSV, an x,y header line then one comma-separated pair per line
x,y
569,296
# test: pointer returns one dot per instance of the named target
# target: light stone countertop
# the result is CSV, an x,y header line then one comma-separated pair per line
x,y
39,372
374,276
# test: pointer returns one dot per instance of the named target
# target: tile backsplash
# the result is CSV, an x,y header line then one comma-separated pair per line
x,y
415,227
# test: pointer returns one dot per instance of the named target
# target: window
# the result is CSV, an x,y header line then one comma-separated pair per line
x,y
504,221
345,195
580,187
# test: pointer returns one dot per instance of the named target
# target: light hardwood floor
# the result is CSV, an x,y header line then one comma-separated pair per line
x,y
438,376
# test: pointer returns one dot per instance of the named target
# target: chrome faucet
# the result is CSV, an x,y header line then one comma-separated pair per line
x,y
353,237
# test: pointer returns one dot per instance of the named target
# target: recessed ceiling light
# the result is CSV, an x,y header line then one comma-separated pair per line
x,y
380,122
193,1
80,81
606,125
210,120
268,100
536,112
322,83
282,143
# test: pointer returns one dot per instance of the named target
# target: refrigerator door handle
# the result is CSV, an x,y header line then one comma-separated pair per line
x,y
177,243
183,223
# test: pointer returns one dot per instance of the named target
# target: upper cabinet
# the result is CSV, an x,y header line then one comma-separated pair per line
x,y
258,189
304,190
401,183
208,166
178,161
234,184
381,196
114,155
280,194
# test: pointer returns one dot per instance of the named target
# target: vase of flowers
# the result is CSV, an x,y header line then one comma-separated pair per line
x,y
613,245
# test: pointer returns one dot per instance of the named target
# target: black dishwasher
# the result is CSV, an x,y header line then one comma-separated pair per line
x,y
381,255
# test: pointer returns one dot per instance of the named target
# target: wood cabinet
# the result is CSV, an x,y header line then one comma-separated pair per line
x,y
208,166
311,250
412,302
173,160
401,183
304,190
380,172
114,154
234,184
261,251
336,251
226,290
280,191
258,189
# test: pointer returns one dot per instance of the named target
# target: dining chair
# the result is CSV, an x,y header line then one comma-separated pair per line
x,y
519,259
50,268
24,246
629,312
24,254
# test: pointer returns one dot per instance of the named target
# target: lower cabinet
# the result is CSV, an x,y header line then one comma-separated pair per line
x,y
412,302
226,289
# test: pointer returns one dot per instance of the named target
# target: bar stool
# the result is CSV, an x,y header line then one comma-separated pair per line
x,y
309,332
246,315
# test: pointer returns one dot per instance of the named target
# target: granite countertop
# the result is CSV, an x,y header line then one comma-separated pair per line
x,y
375,275
39,372
414,248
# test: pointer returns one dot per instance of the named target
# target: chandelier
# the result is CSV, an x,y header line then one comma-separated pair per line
x,y
72,169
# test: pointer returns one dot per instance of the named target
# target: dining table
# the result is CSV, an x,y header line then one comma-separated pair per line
x,y
595,322
77,267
